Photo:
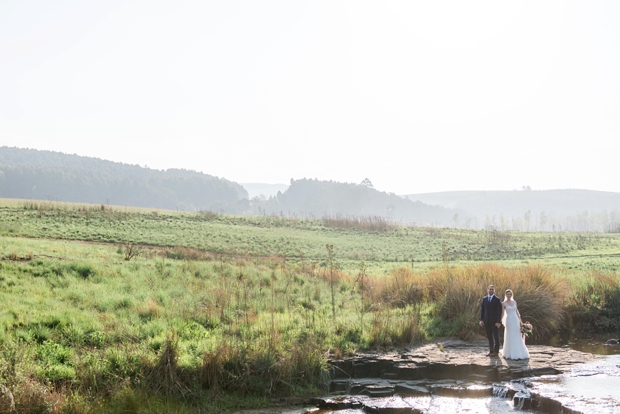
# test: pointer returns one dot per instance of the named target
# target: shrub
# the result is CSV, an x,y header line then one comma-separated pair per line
x,y
595,302
57,373
83,270
50,353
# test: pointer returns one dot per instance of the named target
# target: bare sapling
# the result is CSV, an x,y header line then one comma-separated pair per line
x,y
132,250
361,284
332,283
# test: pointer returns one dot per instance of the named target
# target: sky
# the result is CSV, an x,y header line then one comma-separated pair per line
x,y
417,96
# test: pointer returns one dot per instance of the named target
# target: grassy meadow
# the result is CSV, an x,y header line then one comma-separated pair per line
x,y
130,310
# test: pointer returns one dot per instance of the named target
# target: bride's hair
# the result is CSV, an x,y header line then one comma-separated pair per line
x,y
508,290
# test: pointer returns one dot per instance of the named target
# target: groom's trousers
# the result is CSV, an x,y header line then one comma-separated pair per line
x,y
493,337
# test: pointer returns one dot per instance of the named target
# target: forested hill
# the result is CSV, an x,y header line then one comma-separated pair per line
x,y
48,175
314,198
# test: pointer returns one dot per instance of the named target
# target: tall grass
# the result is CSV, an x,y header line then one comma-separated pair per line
x,y
594,302
365,223
457,294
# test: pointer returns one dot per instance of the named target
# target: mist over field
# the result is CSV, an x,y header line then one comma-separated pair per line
x,y
53,176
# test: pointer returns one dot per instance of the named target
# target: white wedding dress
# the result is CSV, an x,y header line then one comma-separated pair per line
x,y
514,344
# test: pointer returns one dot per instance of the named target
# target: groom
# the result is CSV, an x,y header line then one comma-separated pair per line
x,y
490,319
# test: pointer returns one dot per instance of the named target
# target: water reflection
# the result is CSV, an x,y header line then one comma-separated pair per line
x,y
592,343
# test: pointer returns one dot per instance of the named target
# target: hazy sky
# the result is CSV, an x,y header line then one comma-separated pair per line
x,y
418,96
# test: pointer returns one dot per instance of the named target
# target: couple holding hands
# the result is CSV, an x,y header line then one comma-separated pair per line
x,y
494,313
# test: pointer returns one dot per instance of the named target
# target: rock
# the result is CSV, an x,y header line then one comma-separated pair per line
x,y
379,390
522,401
338,386
503,391
463,391
409,380
340,403
392,405
411,390
550,405
458,360
613,342
296,401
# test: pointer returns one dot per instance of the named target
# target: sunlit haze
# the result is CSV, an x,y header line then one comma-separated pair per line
x,y
416,96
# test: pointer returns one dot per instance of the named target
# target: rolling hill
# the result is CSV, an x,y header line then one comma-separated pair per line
x,y
48,175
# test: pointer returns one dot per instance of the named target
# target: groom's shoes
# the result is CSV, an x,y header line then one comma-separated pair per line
x,y
492,354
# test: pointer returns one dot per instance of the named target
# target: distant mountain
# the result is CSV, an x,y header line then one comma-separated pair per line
x,y
262,190
568,209
314,198
34,174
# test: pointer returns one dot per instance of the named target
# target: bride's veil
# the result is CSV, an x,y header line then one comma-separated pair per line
x,y
504,313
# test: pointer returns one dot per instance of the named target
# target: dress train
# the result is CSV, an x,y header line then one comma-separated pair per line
x,y
514,343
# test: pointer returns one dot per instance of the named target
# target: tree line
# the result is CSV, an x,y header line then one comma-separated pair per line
x,y
48,175
318,199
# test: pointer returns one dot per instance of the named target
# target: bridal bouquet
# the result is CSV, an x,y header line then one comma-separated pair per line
x,y
526,329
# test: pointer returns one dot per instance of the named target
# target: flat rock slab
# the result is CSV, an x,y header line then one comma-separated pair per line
x,y
455,359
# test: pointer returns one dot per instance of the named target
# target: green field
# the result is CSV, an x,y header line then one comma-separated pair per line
x,y
298,239
220,312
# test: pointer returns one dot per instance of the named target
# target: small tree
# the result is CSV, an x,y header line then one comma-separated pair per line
x,y
132,250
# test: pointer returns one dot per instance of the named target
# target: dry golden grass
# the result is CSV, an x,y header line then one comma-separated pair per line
x,y
31,396
401,289
458,292
165,376
149,309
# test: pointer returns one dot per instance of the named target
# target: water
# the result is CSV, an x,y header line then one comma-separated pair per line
x,y
589,388
592,343
430,405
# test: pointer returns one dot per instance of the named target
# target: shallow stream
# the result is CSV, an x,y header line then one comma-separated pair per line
x,y
590,388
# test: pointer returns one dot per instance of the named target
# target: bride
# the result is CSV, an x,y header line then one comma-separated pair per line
x,y
514,344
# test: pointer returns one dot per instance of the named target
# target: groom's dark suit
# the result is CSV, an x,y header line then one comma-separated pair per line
x,y
490,314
